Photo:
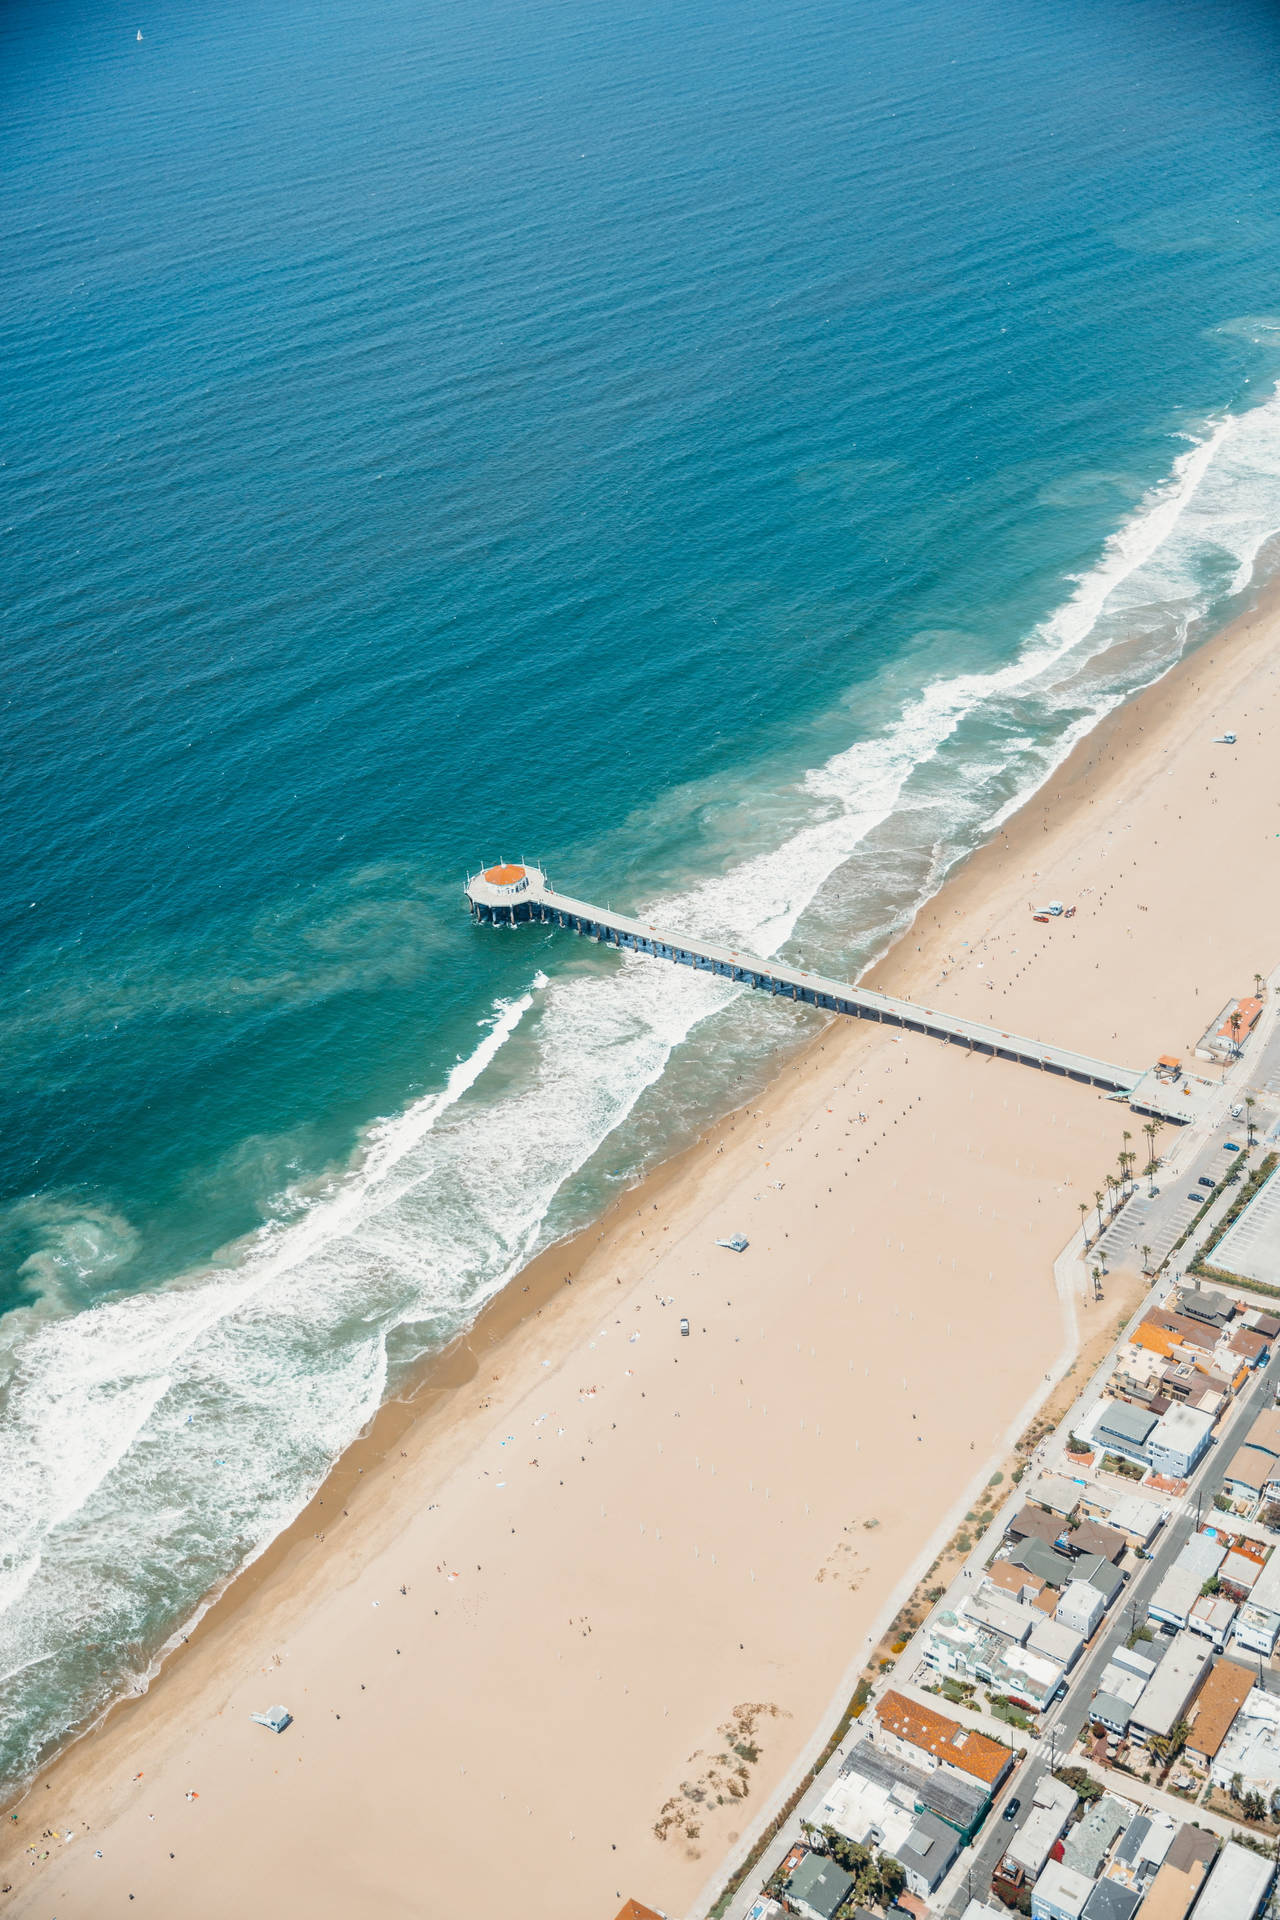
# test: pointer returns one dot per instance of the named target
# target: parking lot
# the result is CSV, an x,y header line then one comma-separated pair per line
x,y
1159,1223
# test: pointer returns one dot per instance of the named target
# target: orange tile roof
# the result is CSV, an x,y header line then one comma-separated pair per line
x,y
945,1739
634,1911
1248,1008
1221,1696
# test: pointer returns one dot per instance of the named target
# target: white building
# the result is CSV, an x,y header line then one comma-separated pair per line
x,y
1258,1621
1052,1805
1237,1885
1167,1694
1214,1618
1057,1639
1252,1747
1060,1893
1179,1441
1178,1592
1137,1517
1080,1607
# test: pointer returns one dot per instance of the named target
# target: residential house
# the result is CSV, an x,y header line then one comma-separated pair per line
x,y
930,1740
1052,1805
1089,1843
1265,1432
1137,1517
1222,1693
1237,1886
1112,1900
1210,1308
1140,1852
1173,1335
1258,1622
1080,1607
1142,1659
1179,1441
1239,1575
1214,1617
1253,1348
1058,1494
999,1613
1251,1747
1166,1696
1033,1523
1247,1474
817,1888
927,1854
1256,1630
1060,1893
1052,1569
1112,1706
1123,1429
1197,1563
1057,1639
1091,1536
1180,1878
1007,1577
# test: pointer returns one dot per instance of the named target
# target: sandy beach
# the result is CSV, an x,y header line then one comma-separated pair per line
x,y
554,1635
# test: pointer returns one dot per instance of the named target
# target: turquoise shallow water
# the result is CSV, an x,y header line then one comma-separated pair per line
x,y
726,452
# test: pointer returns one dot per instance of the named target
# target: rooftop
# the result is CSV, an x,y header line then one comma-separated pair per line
x,y
1235,1887
1223,1692
973,1753
1251,1467
820,1883
1132,1424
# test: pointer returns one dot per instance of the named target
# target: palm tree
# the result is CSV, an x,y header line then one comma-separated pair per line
x,y
1084,1208
1146,1259
1235,1023
1257,986
1126,1136
1098,1196
1250,1103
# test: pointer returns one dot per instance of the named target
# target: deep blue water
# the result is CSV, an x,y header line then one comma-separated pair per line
x,y
726,451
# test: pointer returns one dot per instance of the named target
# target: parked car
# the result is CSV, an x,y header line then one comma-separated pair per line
x,y
1197,1197
684,1328
1205,1181
1013,1809
1230,1146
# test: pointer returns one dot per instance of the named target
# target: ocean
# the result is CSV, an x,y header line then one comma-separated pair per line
x,y
728,453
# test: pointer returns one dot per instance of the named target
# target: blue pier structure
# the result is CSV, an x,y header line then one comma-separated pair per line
x,y
507,895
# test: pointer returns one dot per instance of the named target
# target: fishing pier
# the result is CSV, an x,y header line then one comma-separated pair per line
x,y
507,895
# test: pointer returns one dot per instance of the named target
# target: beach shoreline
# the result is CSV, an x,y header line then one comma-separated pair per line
x,y
424,1441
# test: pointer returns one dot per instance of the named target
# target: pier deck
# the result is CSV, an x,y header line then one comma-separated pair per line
x,y
510,894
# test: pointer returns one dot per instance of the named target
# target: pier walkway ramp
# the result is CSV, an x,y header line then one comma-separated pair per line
x,y
509,894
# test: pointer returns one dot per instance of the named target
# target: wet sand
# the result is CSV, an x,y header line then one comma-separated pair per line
x,y
638,1568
